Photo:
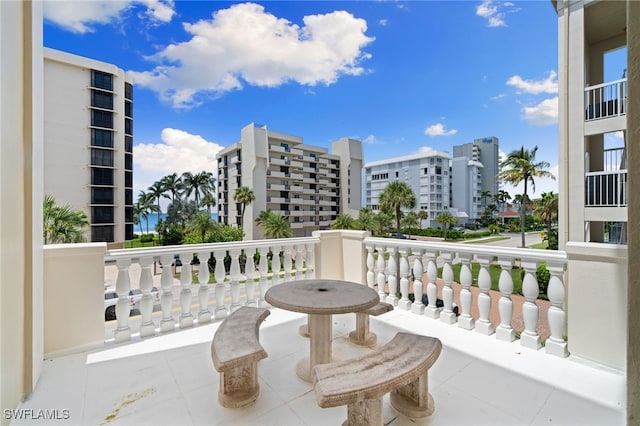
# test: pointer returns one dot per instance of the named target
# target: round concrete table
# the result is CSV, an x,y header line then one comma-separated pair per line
x,y
320,299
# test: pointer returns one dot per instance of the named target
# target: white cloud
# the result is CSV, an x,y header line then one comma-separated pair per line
x,y
246,45
547,85
371,139
546,112
383,22
439,130
179,152
82,16
426,150
490,11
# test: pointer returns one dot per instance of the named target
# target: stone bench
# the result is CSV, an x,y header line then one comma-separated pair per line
x,y
235,351
361,335
400,367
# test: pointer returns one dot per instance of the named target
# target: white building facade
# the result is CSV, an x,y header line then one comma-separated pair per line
x,y
88,146
426,173
304,183
486,151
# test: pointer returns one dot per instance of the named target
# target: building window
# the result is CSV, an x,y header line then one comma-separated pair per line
x,y
101,99
128,109
128,126
128,144
128,179
102,214
101,157
128,161
101,176
102,234
128,91
128,214
102,80
102,119
128,196
102,138
101,196
128,231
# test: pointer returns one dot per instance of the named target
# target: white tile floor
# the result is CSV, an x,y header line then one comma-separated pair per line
x,y
170,380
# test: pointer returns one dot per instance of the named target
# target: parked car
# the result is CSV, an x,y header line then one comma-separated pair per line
x,y
135,295
110,300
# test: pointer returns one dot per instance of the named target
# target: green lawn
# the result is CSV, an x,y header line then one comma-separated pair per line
x,y
494,272
486,240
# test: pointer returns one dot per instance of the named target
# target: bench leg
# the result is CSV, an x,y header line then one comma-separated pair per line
x,y
239,386
414,400
361,335
367,412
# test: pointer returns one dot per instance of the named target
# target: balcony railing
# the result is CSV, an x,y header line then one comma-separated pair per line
x,y
606,189
606,100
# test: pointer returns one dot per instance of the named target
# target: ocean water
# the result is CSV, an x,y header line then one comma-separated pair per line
x,y
153,220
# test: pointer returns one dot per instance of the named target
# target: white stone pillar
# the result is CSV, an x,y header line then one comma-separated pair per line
x,y
483,325
466,321
505,331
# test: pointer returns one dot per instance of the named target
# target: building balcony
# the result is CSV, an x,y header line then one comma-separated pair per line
x,y
507,359
605,107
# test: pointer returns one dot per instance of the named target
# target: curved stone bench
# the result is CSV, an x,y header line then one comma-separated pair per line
x,y
235,352
401,367
362,335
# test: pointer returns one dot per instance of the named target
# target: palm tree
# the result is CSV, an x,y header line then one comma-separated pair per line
x,y
145,206
410,220
202,224
446,219
501,198
173,184
366,220
382,222
394,197
202,182
422,215
209,201
548,209
484,194
274,225
521,166
343,221
243,195
157,191
62,224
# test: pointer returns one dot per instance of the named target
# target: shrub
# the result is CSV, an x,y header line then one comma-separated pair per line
x,y
146,238
543,276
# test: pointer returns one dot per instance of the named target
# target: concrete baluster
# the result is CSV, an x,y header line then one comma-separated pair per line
x,y
204,314
220,273
235,279
483,325
122,332
168,322
447,315
556,345
465,320
530,312
186,318
505,331
392,278
310,263
432,311
287,264
299,261
371,275
275,265
417,307
404,302
147,327
381,278
250,284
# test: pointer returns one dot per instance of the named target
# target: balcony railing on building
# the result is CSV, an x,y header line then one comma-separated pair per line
x,y
606,100
608,187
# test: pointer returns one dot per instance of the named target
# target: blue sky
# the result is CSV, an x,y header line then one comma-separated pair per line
x,y
402,76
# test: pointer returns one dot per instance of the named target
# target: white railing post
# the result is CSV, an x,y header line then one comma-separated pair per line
x,y
287,264
263,267
299,261
219,273
275,265
432,311
123,306
310,262
147,327
505,331
404,302
204,314
447,315
250,272
466,321
484,325
381,279
529,337
371,275
555,344
417,307
186,318
234,272
168,322
392,278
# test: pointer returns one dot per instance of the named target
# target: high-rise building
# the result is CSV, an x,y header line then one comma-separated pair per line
x,y
427,174
487,152
304,183
88,142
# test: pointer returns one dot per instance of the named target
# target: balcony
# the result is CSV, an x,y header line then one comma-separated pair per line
x,y
496,367
608,187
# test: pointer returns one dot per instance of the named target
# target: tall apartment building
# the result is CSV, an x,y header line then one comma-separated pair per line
x,y
88,143
598,155
304,183
487,152
426,173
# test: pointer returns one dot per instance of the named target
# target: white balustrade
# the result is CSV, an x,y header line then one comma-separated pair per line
x,y
147,327
556,344
417,307
381,278
263,268
204,314
287,264
249,285
392,278
186,318
404,302
371,275
484,325
299,261
530,313
447,315
234,272
166,300
432,311
219,273
466,321
123,307
310,263
275,265
505,331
